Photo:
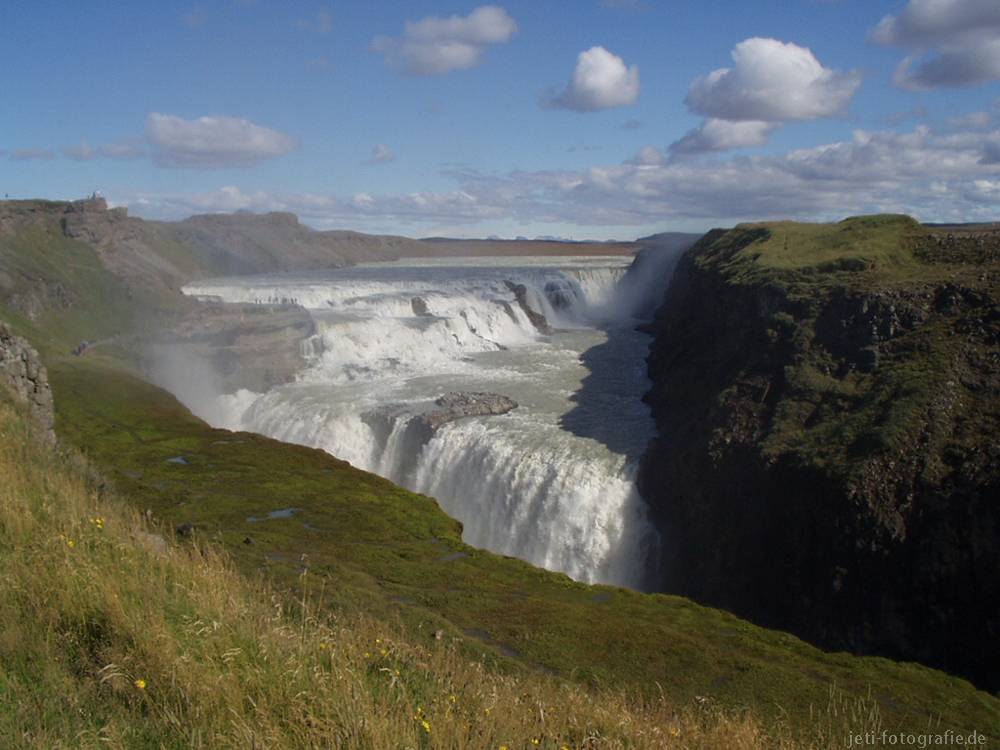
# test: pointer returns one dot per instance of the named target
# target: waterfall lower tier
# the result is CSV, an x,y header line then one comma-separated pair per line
x,y
550,481
537,500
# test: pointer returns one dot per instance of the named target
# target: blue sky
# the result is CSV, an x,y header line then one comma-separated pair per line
x,y
586,119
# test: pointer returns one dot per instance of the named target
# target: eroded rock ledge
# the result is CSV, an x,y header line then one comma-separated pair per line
x,y
456,405
23,372
420,427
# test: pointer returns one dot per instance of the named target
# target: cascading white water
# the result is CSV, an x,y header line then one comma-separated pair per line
x,y
552,481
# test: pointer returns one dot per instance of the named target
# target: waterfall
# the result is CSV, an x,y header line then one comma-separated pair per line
x,y
551,481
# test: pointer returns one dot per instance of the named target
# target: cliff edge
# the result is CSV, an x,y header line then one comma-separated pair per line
x,y
828,398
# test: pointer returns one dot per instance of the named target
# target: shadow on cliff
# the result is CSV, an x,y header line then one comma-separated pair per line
x,y
618,373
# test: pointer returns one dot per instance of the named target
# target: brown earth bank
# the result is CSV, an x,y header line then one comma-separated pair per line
x,y
829,458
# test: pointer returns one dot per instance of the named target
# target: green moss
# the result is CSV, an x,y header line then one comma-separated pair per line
x,y
783,255
832,413
368,544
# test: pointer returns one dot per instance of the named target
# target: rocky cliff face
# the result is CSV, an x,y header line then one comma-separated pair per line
x,y
22,372
829,460
91,220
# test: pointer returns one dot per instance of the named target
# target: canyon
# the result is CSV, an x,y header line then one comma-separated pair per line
x,y
825,396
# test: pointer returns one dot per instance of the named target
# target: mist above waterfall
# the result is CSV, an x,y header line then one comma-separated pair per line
x,y
551,481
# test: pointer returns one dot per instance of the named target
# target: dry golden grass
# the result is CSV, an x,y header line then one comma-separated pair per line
x,y
113,636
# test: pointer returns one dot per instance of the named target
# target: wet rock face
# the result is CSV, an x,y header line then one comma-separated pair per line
x,y
419,305
21,370
537,319
829,463
421,427
456,405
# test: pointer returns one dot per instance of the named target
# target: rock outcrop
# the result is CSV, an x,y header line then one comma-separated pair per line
x,y
22,372
421,426
537,319
456,405
90,220
829,459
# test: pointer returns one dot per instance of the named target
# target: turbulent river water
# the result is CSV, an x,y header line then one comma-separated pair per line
x,y
550,482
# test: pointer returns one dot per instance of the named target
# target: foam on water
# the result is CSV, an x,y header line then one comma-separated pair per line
x,y
551,482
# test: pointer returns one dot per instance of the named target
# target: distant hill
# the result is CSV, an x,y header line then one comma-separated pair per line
x,y
172,253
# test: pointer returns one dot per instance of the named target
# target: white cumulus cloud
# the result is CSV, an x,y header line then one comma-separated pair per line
x,y
601,80
941,175
647,156
715,135
435,46
954,42
215,142
772,81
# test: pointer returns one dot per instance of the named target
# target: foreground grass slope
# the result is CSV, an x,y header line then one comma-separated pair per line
x,y
113,636
312,522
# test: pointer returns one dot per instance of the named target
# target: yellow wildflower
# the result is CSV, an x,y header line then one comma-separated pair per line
x,y
141,684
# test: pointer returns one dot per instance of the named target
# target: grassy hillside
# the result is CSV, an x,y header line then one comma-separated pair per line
x,y
374,548
114,636
57,290
261,627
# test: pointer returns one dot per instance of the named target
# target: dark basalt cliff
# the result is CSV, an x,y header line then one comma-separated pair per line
x,y
828,398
